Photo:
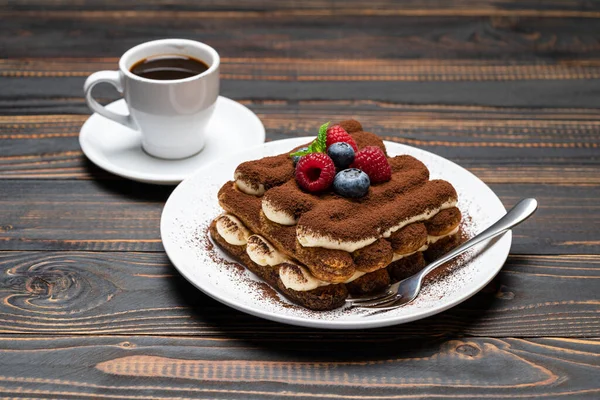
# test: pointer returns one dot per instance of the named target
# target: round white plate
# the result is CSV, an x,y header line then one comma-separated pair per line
x,y
118,149
193,205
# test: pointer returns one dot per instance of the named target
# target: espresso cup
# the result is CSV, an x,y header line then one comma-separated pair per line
x,y
171,115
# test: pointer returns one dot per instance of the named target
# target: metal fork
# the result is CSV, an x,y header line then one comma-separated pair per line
x,y
405,291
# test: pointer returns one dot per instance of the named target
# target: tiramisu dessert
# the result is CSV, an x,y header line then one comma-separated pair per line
x,y
336,217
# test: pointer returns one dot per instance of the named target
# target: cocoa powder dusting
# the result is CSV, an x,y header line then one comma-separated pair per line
x,y
268,171
289,198
345,220
265,291
210,250
364,139
208,244
351,125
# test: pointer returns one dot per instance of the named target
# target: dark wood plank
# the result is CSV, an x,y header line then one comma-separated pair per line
x,y
82,293
55,85
500,145
556,8
339,69
49,95
553,84
137,367
332,34
94,215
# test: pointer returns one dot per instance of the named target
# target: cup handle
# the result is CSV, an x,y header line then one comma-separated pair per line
x,y
114,78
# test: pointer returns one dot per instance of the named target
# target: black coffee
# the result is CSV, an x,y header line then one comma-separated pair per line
x,y
168,67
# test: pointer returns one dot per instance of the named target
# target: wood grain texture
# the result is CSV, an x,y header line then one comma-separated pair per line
x,y
300,69
500,145
535,83
507,88
81,293
104,215
300,368
98,33
93,215
557,8
64,95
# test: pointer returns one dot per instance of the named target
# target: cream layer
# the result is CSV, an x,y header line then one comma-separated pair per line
x,y
248,187
308,238
277,216
232,230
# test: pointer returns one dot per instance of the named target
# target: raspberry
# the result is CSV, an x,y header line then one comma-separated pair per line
x,y
337,134
315,172
372,160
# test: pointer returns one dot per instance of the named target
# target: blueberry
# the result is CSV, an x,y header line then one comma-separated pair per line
x,y
342,154
351,183
295,159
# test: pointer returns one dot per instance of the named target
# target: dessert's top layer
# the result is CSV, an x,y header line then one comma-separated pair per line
x,y
335,222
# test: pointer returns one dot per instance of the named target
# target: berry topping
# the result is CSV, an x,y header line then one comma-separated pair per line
x,y
372,160
342,154
296,158
337,134
351,183
315,172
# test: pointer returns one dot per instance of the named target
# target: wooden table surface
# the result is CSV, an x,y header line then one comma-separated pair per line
x,y
90,306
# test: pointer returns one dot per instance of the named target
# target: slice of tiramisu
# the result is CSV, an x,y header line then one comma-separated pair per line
x,y
335,217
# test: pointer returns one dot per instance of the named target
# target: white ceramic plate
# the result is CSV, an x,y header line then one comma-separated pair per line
x,y
118,149
193,205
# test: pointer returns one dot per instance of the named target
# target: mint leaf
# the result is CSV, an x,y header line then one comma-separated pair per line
x,y
300,153
319,145
321,142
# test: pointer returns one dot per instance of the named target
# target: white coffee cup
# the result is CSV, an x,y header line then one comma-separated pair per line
x,y
171,115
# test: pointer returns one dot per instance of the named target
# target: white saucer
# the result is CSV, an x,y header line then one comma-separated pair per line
x,y
118,149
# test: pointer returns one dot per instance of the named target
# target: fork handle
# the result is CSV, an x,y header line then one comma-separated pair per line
x,y
519,213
